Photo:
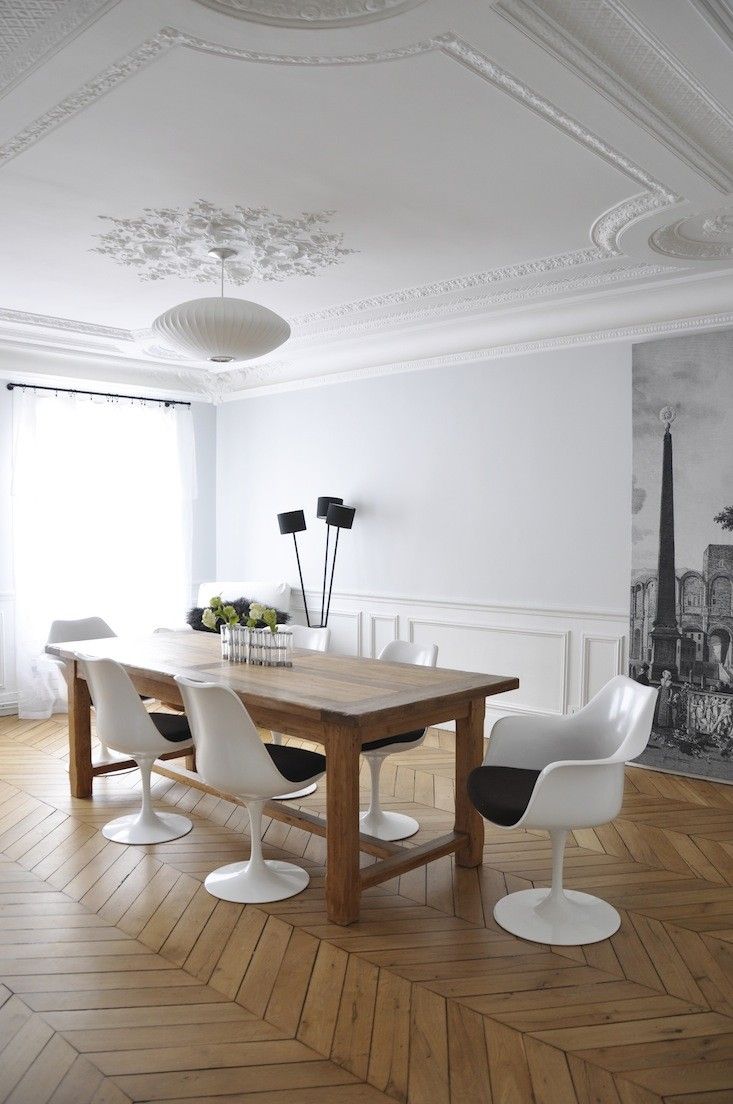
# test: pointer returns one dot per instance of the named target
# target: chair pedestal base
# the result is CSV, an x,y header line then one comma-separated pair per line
x,y
147,828
388,826
103,755
569,920
251,883
297,793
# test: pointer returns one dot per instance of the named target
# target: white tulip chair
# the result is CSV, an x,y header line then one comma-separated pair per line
x,y
230,756
126,726
84,628
556,774
376,821
313,639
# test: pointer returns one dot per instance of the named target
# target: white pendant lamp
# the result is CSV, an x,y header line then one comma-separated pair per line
x,y
222,329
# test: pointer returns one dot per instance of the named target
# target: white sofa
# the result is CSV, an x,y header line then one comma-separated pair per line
x,y
275,595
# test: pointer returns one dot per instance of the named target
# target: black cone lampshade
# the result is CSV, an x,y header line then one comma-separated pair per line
x,y
324,502
293,521
341,517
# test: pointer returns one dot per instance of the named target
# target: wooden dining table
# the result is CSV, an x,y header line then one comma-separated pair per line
x,y
339,702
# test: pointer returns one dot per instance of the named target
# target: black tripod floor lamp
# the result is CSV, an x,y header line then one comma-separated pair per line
x,y
293,521
338,517
321,512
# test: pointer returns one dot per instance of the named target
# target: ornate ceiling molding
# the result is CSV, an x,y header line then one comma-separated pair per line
x,y
68,325
654,197
328,323
607,46
32,30
308,325
168,241
719,15
261,379
495,352
701,237
312,14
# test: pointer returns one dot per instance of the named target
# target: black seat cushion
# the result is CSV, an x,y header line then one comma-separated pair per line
x,y
296,764
501,794
172,726
405,738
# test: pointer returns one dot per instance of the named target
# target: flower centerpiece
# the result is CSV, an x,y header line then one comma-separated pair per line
x,y
251,636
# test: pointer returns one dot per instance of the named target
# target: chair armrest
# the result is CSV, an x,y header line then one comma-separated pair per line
x,y
531,742
576,793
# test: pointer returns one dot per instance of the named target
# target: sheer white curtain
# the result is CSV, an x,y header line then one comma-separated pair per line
x,y
102,508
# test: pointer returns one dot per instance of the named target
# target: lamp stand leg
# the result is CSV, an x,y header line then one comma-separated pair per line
x,y
325,572
333,568
302,588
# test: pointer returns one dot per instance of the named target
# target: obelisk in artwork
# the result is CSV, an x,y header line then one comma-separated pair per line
x,y
665,634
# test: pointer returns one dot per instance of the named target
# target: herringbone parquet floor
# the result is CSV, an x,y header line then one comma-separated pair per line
x,y
122,979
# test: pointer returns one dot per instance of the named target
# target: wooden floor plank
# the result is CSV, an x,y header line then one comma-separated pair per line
x,y
122,979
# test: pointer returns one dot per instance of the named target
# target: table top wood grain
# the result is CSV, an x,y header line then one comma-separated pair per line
x,y
328,688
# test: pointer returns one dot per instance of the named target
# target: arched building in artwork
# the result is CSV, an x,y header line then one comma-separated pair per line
x,y
704,607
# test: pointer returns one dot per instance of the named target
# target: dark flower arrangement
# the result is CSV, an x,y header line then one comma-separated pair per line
x,y
234,611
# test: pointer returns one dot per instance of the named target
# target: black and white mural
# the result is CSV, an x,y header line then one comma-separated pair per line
x,y
681,621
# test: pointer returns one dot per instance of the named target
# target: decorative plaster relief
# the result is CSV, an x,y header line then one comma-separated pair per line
x,y
33,30
20,19
168,241
654,196
701,237
604,43
307,13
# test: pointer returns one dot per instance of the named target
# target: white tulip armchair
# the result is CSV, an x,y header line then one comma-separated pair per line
x,y
313,639
560,773
376,821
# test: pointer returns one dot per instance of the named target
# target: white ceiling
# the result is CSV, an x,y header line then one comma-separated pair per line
x,y
480,176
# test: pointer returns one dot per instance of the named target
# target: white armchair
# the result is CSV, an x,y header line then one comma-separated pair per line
x,y
559,773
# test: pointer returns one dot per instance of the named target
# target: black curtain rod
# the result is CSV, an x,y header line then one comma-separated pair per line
x,y
98,394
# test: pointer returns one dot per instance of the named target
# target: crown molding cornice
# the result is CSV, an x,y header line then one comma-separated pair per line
x,y
307,327
28,362
67,325
648,330
659,92
719,16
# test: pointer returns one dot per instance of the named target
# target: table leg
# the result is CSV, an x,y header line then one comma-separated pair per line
x,y
469,754
342,825
80,734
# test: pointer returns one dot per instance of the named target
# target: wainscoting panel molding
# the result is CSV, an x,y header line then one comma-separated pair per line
x,y
346,632
383,628
539,657
561,656
601,657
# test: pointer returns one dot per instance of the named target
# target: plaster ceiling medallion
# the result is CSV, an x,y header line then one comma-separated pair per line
x,y
167,242
701,237
302,13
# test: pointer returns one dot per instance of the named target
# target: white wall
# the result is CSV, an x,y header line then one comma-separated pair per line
x,y
204,522
493,511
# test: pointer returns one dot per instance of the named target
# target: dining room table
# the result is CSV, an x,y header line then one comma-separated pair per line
x,y
337,702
